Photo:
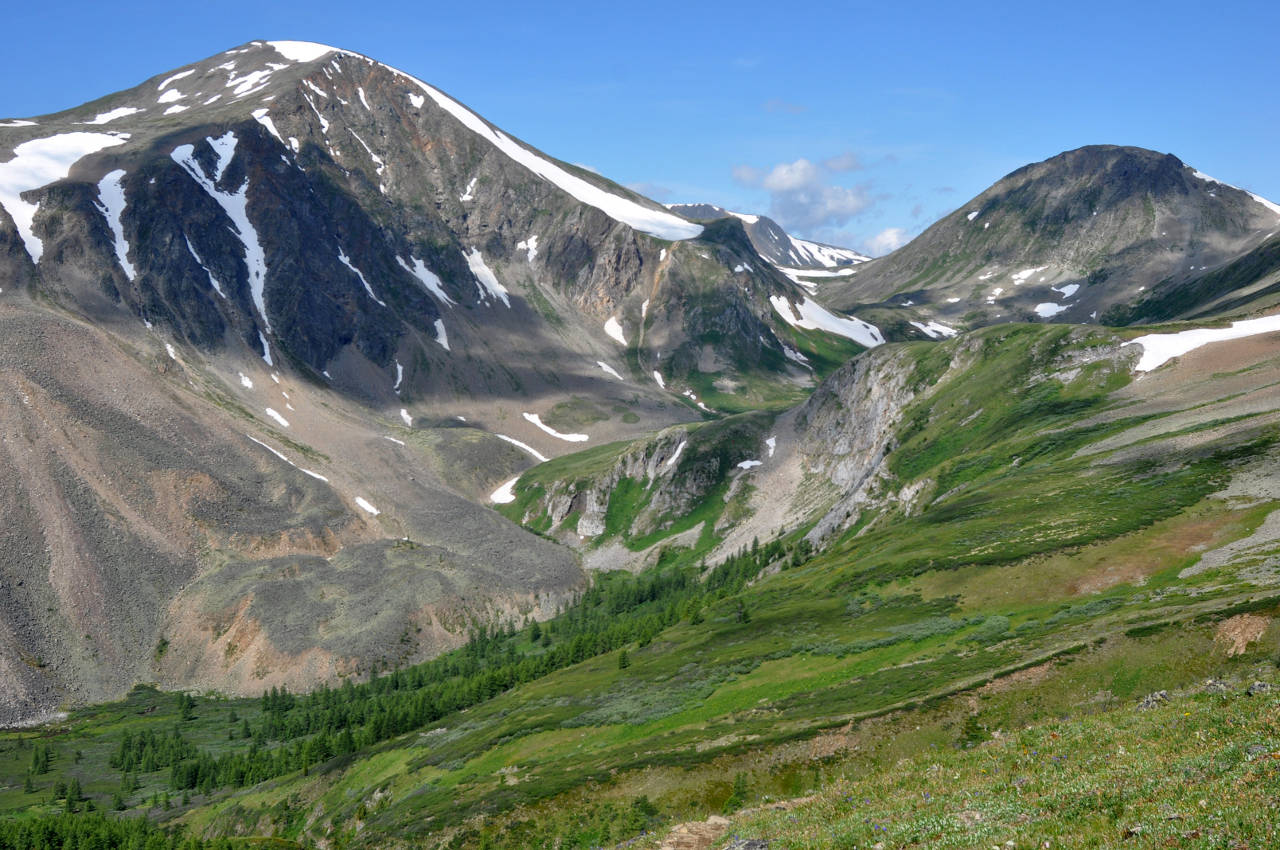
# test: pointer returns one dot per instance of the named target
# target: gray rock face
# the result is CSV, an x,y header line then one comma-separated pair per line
x,y
346,217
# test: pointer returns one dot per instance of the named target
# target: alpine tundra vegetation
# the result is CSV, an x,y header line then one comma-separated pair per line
x,y
371,478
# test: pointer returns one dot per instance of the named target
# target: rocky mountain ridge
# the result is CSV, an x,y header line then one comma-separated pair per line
x,y
1068,239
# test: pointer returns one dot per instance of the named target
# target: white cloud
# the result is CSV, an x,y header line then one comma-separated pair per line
x,y
803,195
792,176
886,241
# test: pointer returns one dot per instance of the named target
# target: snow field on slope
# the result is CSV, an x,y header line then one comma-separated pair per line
x,y
934,330
111,204
1158,349
108,117
810,315
826,255
506,493
37,163
426,277
314,475
236,206
346,261
614,329
528,448
568,438
489,284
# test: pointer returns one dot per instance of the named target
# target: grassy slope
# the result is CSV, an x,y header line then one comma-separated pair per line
x,y
901,617
1198,772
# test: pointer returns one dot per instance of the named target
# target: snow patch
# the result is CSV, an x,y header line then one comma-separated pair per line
x,y
606,367
245,381
489,285
568,438
528,448
749,464
171,96
394,440
364,100
37,163
810,315
1158,349
935,330
406,418
111,205
324,123
530,245
772,443
1023,276
657,377
261,116
107,117
346,261
1067,290
417,100
236,206
614,329
277,417
1048,310
675,456
266,350
441,337
301,51
178,76
505,494
467,195
399,376
426,278
366,506
796,274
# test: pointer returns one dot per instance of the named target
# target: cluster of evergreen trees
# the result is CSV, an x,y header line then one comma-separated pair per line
x,y
90,832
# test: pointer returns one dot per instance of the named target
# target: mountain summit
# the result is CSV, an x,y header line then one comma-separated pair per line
x,y
1068,238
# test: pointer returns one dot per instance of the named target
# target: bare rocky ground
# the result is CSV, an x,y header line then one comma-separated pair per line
x,y
156,524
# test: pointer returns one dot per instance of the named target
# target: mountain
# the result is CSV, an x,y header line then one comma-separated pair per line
x,y
1067,239
280,322
773,243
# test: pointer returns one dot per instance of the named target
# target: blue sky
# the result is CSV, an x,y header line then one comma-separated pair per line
x,y
853,123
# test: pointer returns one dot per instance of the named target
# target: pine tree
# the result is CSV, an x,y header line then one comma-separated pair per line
x,y
624,660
